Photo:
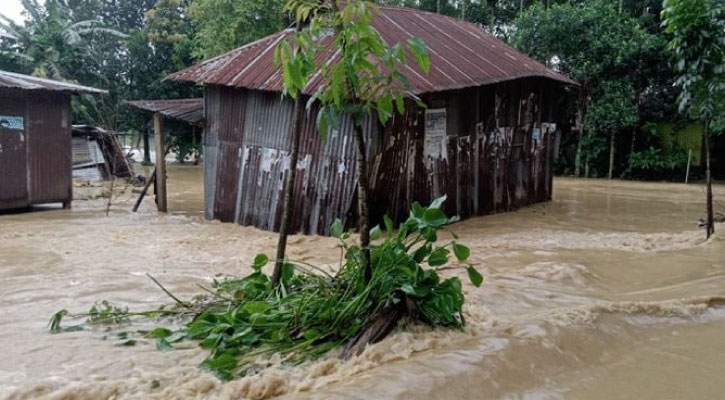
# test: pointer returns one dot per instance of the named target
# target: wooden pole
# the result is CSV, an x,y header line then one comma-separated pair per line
x,y
687,173
151,180
160,145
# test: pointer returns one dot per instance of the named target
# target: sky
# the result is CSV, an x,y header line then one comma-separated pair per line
x,y
11,9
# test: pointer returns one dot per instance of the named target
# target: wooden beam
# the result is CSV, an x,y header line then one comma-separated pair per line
x,y
160,145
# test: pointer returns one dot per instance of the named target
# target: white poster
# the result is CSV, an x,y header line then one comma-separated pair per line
x,y
435,133
10,122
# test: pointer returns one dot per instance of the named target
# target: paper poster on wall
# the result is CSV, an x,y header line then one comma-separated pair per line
x,y
10,122
435,133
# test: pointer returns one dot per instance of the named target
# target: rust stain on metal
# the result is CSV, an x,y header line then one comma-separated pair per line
x,y
35,140
484,140
188,110
27,82
462,55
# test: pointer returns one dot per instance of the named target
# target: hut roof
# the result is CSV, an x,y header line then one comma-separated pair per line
x,y
27,82
189,110
462,55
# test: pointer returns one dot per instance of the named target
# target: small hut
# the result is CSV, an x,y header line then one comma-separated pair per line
x,y
35,140
485,138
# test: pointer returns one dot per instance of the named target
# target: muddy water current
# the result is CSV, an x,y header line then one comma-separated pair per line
x,y
608,292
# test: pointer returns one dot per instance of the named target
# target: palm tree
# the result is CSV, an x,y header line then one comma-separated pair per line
x,y
51,42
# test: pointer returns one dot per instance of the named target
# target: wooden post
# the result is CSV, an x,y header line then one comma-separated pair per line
x,y
160,145
687,173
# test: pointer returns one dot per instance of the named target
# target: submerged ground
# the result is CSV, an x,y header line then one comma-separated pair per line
x,y
608,292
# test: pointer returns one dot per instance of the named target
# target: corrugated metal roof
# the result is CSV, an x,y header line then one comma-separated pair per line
x,y
462,55
189,110
27,82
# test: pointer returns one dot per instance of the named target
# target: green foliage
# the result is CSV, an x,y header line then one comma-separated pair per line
x,y
364,79
697,28
604,51
311,312
590,41
655,164
222,25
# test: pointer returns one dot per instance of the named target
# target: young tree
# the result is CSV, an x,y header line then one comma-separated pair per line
x,y
698,48
361,80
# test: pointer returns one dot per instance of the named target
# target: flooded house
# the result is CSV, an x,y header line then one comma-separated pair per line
x,y
485,138
35,140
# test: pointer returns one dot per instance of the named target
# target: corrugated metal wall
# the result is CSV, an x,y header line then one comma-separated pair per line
x,y
491,162
13,158
496,156
247,146
45,166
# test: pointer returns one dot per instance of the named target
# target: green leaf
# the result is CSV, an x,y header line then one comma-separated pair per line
x,y
222,365
434,217
375,233
336,229
288,271
159,333
475,277
129,342
255,307
421,253
438,257
437,203
388,225
311,334
420,52
462,252
163,345
260,261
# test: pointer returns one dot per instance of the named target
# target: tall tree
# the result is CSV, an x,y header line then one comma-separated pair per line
x,y
222,25
698,48
593,44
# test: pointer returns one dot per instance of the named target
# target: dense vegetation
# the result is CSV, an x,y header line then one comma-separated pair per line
x,y
616,49
312,311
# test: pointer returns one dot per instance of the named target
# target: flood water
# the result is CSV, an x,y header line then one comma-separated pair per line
x,y
607,292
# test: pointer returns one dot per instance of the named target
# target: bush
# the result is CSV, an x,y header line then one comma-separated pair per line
x,y
311,311
656,164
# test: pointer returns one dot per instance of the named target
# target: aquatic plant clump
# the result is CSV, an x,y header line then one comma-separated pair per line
x,y
311,311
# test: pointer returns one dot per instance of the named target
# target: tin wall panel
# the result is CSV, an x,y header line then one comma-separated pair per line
x,y
492,162
230,119
49,147
13,158
210,141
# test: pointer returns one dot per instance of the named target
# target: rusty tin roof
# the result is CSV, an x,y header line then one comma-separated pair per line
x,y
27,82
189,110
462,55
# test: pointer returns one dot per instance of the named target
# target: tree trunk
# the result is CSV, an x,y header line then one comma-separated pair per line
x,y
363,188
621,5
578,157
708,178
289,187
611,155
631,146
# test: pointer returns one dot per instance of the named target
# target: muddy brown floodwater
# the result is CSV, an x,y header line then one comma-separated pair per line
x,y
607,292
